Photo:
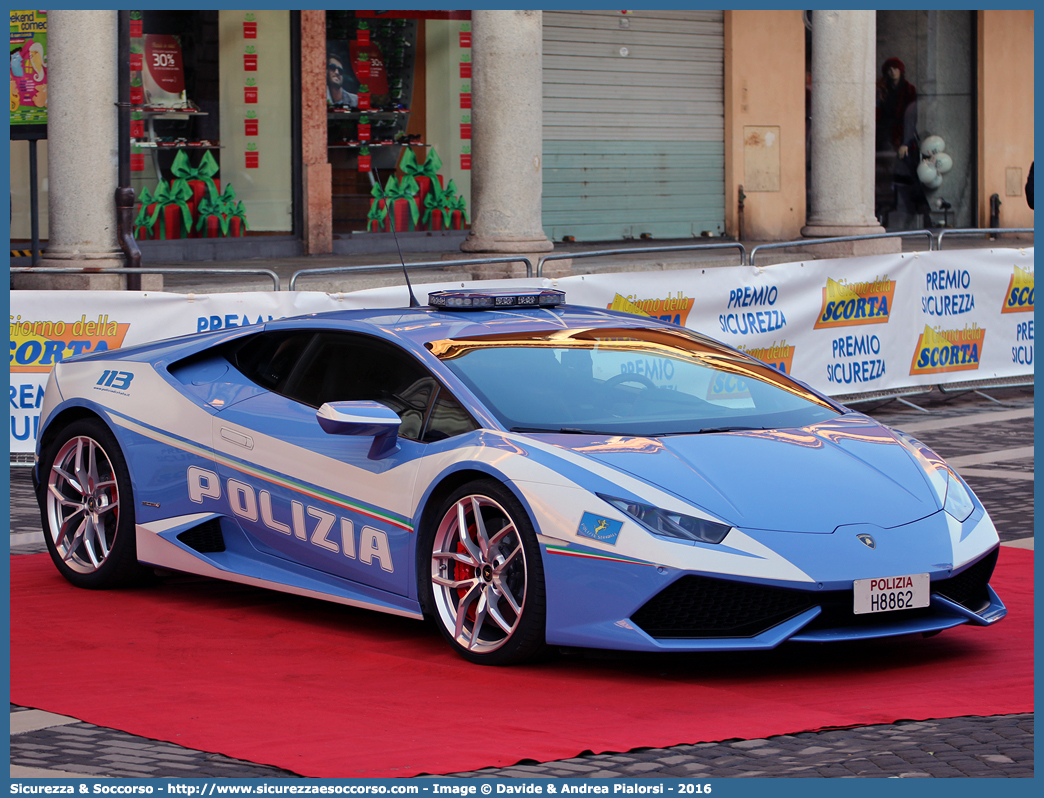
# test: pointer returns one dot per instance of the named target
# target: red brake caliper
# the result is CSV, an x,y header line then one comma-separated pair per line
x,y
463,572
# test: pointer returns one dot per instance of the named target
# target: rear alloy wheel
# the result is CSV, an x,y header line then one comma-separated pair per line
x,y
87,508
486,577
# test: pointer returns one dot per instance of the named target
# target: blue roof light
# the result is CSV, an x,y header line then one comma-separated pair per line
x,y
496,299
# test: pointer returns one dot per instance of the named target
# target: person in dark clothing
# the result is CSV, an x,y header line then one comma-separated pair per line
x,y
897,151
1029,188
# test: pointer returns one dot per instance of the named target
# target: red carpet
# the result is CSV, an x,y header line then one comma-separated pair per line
x,y
324,690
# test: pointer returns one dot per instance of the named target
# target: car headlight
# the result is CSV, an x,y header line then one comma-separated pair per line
x,y
958,502
955,497
670,524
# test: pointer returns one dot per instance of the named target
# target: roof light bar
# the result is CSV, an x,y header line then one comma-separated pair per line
x,y
496,300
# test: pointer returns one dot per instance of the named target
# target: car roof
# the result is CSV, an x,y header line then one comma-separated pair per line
x,y
423,325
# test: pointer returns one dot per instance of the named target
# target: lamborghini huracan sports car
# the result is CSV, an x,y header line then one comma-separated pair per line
x,y
524,472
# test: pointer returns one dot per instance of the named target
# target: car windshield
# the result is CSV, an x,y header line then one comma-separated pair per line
x,y
625,381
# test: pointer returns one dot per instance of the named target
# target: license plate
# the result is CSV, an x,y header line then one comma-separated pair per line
x,y
889,593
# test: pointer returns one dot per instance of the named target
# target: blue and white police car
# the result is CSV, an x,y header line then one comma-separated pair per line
x,y
525,472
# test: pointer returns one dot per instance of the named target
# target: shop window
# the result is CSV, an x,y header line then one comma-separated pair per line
x,y
370,73
925,132
211,152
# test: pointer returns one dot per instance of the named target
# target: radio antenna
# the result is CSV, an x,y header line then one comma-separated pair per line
x,y
405,273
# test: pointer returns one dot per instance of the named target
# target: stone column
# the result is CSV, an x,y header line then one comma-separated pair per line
x,y
506,138
318,174
841,201
82,149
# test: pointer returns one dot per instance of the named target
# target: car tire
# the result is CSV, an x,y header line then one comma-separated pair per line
x,y
87,508
485,589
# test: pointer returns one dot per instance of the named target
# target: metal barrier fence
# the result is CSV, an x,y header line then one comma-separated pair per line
x,y
842,239
642,250
978,231
145,270
426,265
933,243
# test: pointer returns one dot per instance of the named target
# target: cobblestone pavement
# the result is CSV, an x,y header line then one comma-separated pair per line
x,y
993,452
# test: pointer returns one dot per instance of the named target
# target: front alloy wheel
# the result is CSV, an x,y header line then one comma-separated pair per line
x,y
87,513
486,577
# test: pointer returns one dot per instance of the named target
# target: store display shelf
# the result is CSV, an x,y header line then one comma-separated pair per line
x,y
175,145
161,110
349,145
335,113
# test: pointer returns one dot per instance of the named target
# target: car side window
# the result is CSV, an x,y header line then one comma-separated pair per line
x,y
342,367
269,358
447,418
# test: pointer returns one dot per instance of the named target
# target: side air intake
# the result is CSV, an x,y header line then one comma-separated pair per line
x,y
205,538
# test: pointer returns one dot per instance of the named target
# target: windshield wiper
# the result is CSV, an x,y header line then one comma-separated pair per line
x,y
563,431
725,429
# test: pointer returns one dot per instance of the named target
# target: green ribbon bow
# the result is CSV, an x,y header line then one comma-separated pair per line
x,y
143,218
435,202
205,172
378,210
459,204
178,194
208,207
240,213
430,167
405,189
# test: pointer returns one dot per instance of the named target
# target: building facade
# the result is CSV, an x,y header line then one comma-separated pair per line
x,y
281,132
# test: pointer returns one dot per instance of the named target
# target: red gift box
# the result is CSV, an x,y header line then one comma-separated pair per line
x,y
362,35
213,228
456,220
253,160
137,95
250,125
400,210
250,62
465,100
364,101
364,132
362,69
465,130
135,28
249,30
465,70
235,228
250,94
136,61
465,38
424,186
364,163
465,163
168,223
137,161
137,128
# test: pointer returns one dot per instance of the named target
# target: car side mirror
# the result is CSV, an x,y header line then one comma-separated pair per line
x,y
363,418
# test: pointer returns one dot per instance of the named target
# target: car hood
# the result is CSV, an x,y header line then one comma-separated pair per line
x,y
848,470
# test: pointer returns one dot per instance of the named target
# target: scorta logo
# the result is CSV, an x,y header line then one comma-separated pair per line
x,y
673,309
779,356
848,304
941,351
1019,298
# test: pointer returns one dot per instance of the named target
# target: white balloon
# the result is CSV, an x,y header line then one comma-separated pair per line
x,y
935,182
926,173
932,145
943,163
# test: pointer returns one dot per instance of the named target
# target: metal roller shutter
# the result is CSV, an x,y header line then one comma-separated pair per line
x,y
634,131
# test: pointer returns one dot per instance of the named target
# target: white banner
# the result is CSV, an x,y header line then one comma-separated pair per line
x,y
846,326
